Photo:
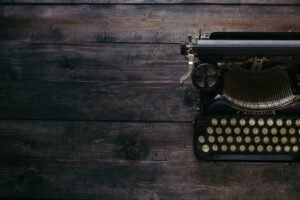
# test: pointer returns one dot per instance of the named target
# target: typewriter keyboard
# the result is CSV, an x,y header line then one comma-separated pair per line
x,y
241,138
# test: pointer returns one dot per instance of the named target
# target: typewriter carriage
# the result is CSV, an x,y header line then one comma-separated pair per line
x,y
270,60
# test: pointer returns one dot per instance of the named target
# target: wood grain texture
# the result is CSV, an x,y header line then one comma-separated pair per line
x,y
85,160
69,179
139,23
94,101
262,2
91,62
82,84
89,141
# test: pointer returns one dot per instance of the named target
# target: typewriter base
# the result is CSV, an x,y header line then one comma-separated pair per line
x,y
247,157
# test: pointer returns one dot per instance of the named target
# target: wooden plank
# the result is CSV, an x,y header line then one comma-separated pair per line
x,y
139,23
94,101
82,140
268,2
91,62
67,179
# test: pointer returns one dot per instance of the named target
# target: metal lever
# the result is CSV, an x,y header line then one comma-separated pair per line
x,y
190,58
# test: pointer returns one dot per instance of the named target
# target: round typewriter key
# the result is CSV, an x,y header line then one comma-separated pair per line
x,y
219,130
257,139
247,139
209,130
292,131
232,148
237,130
279,122
270,122
229,139
275,140
220,139
297,122
261,122
242,122
239,139
295,148
287,148
251,121
201,139
228,130
233,121
293,140
288,122
246,131
278,148
255,131
260,148
242,148
273,131
205,148
284,140
282,131
214,121
265,131
251,148
224,147
266,140
211,139
223,122
215,147
269,148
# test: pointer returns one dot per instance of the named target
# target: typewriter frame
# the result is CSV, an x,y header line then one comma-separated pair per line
x,y
211,48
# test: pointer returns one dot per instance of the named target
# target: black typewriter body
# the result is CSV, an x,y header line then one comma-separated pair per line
x,y
249,103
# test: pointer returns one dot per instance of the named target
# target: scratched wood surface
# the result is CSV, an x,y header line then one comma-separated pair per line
x,y
113,62
86,160
220,2
91,107
139,23
94,101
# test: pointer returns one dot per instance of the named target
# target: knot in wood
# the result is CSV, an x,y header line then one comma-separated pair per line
x,y
134,151
28,174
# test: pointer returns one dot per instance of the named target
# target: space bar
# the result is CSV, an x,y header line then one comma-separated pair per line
x,y
253,157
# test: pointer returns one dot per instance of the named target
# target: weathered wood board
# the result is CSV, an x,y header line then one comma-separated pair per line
x,y
220,2
94,101
90,140
139,23
82,81
72,179
148,63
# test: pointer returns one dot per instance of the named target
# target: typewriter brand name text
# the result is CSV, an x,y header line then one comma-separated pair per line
x,y
272,112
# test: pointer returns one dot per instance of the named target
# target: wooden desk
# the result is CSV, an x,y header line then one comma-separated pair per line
x,y
84,83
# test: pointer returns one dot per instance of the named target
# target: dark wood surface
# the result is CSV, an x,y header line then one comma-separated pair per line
x,y
94,101
83,82
109,62
139,23
86,160
221,2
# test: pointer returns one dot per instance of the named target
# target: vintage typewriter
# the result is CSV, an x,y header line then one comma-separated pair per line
x,y
248,85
